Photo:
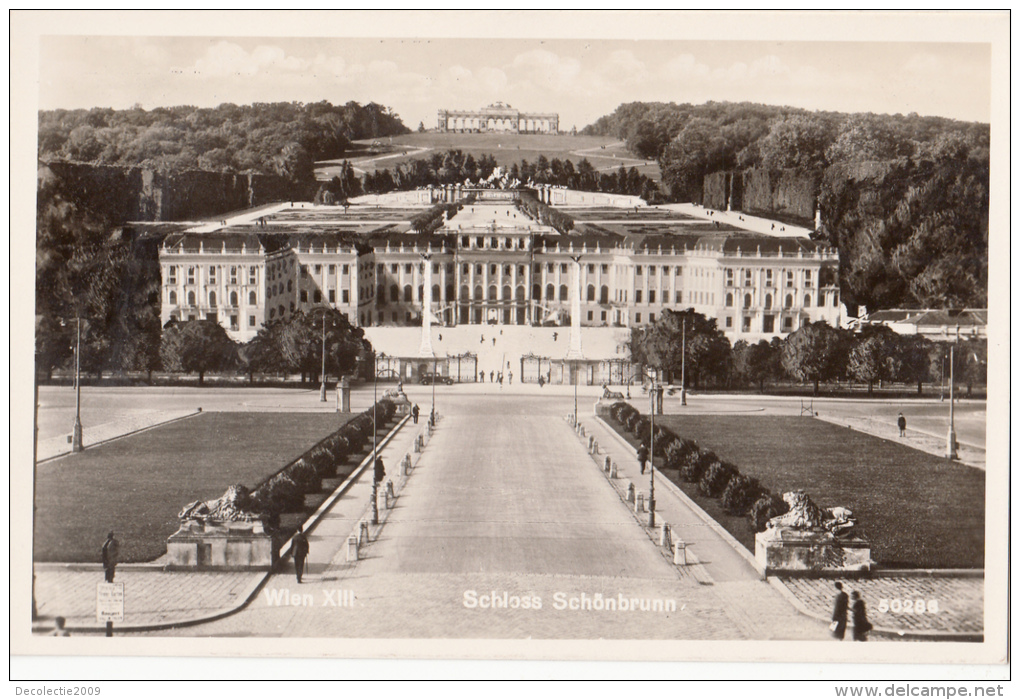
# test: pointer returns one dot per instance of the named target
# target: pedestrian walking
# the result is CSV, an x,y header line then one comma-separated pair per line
x,y
380,470
493,342
901,423
492,375
58,629
859,615
481,377
642,456
414,413
839,610
510,377
482,340
299,546
111,555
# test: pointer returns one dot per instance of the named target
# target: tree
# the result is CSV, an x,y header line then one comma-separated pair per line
x,y
815,352
763,362
421,127
661,346
866,360
54,344
197,346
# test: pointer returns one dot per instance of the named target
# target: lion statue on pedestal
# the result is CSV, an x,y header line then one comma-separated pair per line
x,y
805,515
230,507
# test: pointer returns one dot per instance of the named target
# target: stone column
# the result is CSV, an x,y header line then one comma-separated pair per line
x,y
574,352
425,349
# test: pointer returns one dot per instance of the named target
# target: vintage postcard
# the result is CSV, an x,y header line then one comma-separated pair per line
x,y
511,335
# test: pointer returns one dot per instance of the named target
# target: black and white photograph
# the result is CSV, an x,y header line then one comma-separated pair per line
x,y
575,336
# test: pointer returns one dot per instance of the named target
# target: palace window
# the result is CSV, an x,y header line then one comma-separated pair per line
x,y
591,315
290,286
494,243
651,318
651,296
318,269
212,298
212,274
331,269
173,297
304,271
651,269
768,278
233,323
520,270
807,278
345,296
747,301
479,242
492,270
789,278
604,295
549,267
729,322
317,297
233,299
768,301
591,294
807,300
679,296
407,268
407,293
563,293
394,268
345,269
251,275
538,268
788,323
591,271
191,275
637,317
563,267
435,268
637,296
637,271
191,298
304,296
550,292
171,274
747,277
252,298
233,274
506,270
251,322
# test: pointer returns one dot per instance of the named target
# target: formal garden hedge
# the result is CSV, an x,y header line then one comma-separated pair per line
x,y
739,495
284,491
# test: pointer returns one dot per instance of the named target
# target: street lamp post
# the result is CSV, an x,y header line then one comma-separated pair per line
x,y
76,441
375,439
651,455
951,437
683,367
322,385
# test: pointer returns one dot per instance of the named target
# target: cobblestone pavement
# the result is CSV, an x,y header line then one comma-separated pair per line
x,y
958,602
150,596
94,434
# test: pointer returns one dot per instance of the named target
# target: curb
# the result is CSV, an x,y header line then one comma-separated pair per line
x,y
123,435
260,581
695,508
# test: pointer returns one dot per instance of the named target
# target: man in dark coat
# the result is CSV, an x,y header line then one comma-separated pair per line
x,y
839,611
111,555
380,470
299,546
642,456
901,422
860,618
414,414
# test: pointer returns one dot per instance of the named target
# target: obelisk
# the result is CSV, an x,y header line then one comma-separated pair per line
x,y
574,351
425,349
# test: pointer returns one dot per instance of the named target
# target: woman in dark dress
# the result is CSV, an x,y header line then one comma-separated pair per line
x,y
860,618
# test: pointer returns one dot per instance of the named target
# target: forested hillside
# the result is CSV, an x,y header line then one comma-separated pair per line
x,y
904,198
283,138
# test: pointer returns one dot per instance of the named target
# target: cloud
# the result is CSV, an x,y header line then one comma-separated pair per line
x,y
226,58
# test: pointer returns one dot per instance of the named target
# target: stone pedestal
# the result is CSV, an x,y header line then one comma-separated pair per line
x,y
790,550
226,546
343,395
400,401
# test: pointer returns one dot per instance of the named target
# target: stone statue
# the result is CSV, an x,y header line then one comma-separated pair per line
x,y
226,508
805,515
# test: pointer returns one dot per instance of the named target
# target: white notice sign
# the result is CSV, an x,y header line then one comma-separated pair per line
x,y
110,602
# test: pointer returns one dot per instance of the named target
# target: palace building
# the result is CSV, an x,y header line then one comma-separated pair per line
x,y
492,265
500,118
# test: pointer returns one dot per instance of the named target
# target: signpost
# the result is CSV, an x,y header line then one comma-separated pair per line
x,y
109,604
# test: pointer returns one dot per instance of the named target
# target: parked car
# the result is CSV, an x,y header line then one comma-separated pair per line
x,y
430,378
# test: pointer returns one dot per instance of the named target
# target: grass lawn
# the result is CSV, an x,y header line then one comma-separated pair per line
x,y
918,511
137,485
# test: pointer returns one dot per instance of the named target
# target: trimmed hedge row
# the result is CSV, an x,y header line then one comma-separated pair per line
x,y
740,495
284,491
432,219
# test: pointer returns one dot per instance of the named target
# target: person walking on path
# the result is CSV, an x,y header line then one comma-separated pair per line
x,y
510,377
299,547
860,618
839,610
414,413
492,375
642,456
901,422
380,470
111,555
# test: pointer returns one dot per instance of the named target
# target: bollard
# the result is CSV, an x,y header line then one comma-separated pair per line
x,y
406,462
389,490
352,548
630,492
607,464
591,442
639,502
680,553
612,471
595,448
431,428
665,537
582,431
363,533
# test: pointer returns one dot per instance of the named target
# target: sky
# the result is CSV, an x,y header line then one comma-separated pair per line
x,y
580,79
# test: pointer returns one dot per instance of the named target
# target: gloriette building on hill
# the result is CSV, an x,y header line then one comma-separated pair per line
x,y
498,117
